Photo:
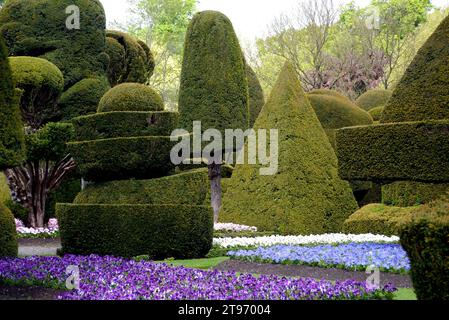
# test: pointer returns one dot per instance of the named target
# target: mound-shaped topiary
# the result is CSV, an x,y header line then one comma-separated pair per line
x,y
8,234
306,195
82,98
374,98
256,96
12,146
160,231
138,64
376,113
411,193
422,93
328,92
214,88
131,97
40,83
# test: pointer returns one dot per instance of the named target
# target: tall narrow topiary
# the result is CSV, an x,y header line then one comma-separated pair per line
x,y
306,195
256,96
214,87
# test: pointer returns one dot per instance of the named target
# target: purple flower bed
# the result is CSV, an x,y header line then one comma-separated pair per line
x,y
108,278
354,256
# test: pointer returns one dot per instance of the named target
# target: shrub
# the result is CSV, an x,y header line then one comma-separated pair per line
x,y
306,195
426,241
160,231
122,158
125,124
328,92
422,93
410,193
11,133
256,96
214,87
82,98
188,188
131,97
378,219
138,63
40,83
65,193
415,151
4,189
374,99
376,113
116,53
17,210
8,236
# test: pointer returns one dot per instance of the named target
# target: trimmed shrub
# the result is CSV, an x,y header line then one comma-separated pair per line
x,y
422,93
426,241
82,98
415,151
8,235
256,96
214,87
188,188
410,193
131,97
116,53
40,83
17,210
160,231
328,92
306,195
366,192
37,28
124,124
122,158
5,194
138,63
65,193
376,113
12,151
374,99
378,219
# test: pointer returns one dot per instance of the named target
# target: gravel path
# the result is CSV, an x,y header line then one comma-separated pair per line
x,y
38,247
400,281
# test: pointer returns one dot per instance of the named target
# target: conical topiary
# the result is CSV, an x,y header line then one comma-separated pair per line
x,y
306,195
256,97
423,93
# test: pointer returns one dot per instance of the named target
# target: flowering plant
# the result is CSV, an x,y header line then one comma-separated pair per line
x,y
51,231
233,227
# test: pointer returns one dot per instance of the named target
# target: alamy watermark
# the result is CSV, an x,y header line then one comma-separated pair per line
x,y
73,280
73,20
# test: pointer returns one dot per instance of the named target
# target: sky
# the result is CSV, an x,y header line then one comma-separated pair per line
x,y
249,17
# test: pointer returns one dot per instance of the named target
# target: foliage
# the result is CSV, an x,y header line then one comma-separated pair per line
x,y
306,195
4,189
376,113
8,237
374,99
395,152
255,95
410,193
131,97
426,242
65,193
160,231
11,133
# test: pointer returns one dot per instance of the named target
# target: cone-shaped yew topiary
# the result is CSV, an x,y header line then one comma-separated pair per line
x,y
256,97
306,195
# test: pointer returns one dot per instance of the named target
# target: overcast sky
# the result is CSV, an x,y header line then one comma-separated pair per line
x,y
249,17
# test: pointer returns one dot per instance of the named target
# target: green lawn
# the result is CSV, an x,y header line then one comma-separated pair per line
x,y
405,294
197,263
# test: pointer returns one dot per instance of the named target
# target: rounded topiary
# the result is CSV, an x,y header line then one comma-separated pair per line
x,y
8,235
376,113
131,97
116,54
328,92
374,98
214,87
256,96
40,83
11,131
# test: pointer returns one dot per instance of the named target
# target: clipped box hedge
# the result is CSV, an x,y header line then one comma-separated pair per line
x,y
410,193
426,240
160,231
8,235
417,151
124,124
188,188
122,158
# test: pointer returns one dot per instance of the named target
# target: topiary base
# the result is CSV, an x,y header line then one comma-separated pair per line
x,y
410,193
160,231
8,235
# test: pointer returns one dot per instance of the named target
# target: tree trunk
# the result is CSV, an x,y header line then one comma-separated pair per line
x,y
215,188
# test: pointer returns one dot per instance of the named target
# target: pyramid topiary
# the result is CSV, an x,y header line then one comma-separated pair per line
x,y
256,96
374,99
306,195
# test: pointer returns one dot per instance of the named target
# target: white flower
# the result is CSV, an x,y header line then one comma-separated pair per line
x,y
233,227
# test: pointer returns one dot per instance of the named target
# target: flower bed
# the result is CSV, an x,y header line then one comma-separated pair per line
x,y
108,278
52,230
233,227
354,256
267,241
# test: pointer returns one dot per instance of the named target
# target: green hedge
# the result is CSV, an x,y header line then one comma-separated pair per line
x,y
131,97
374,99
8,235
160,231
122,158
65,193
376,113
256,96
378,219
427,244
188,188
124,124
410,193
116,53
416,151
328,92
